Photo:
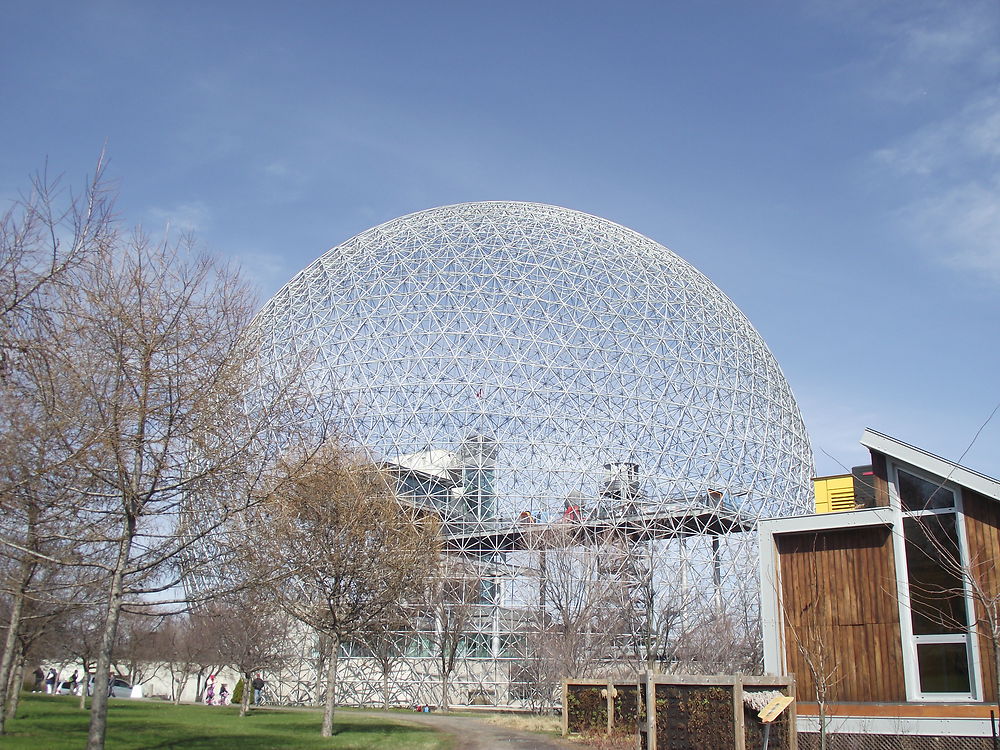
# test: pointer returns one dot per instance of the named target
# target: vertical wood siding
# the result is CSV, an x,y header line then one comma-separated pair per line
x,y
982,529
839,604
880,480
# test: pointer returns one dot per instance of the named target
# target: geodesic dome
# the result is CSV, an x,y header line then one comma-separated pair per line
x,y
530,373
584,353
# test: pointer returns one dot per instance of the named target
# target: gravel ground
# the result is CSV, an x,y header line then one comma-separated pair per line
x,y
474,734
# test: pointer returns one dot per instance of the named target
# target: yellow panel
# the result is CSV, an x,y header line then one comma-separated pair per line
x,y
834,493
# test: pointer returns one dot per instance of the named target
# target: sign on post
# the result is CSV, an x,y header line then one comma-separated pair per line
x,y
773,710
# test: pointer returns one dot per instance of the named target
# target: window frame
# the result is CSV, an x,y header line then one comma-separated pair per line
x,y
910,641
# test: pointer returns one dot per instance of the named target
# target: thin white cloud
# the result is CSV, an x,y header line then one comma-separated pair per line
x,y
960,227
280,169
267,271
918,45
946,165
950,168
953,145
923,51
183,218
280,181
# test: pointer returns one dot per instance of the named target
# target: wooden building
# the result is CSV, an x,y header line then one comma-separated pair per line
x,y
888,614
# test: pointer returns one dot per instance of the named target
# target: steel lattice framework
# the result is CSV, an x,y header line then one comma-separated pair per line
x,y
522,367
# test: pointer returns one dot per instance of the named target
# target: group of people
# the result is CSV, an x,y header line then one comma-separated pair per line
x,y
51,681
75,685
216,699
221,697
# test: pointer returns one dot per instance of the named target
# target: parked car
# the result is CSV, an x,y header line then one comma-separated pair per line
x,y
66,688
119,688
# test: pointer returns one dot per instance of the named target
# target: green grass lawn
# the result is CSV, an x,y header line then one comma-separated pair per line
x,y
57,723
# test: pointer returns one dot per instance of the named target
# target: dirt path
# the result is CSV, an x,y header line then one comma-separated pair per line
x,y
472,733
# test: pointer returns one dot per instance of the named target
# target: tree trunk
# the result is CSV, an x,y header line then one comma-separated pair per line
x,y
444,692
178,685
9,685
247,692
99,700
10,646
321,663
385,690
14,686
9,649
331,686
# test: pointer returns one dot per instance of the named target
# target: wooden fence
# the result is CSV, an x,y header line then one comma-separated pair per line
x,y
674,712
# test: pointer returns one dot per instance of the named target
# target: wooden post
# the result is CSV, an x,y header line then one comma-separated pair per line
x,y
565,709
640,721
611,706
740,740
650,712
793,717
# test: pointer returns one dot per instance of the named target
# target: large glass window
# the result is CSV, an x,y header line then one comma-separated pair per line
x,y
933,559
938,602
477,645
916,494
943,668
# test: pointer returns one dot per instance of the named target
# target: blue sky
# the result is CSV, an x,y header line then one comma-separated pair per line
x,y
833,166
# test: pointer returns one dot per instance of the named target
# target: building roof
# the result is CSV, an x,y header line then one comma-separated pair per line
x,y
931,463
435,463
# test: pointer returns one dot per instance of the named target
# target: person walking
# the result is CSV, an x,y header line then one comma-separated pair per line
x,y
210,690
39,680
50,682
258,685
223,695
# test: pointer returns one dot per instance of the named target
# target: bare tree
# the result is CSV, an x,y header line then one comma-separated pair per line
x,y
348,550
387,639
452,601
153,342
43,593
982,572
45,236
133,362
180,647
822,663
136,653
665,615
204,645
715,637
585,602
80,634
41,631
27,535
253,634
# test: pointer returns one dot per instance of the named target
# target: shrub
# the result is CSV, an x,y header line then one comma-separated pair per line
x,y
238,692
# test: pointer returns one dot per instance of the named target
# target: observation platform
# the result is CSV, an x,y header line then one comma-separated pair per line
x,y
482,538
